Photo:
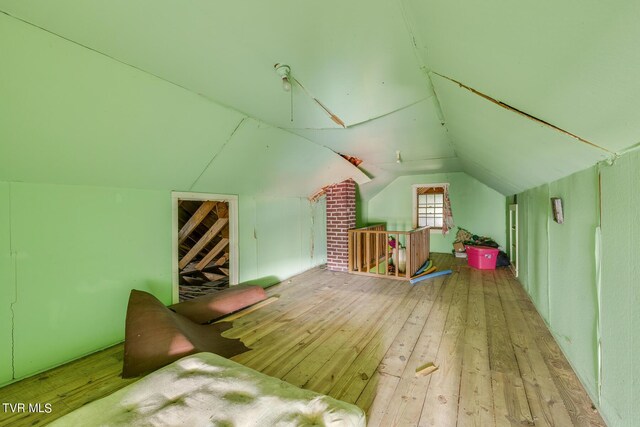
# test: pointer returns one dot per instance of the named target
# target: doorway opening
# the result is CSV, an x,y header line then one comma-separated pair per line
x,y
205,255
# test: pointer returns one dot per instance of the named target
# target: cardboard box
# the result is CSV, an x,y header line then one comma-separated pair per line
x,y
458,247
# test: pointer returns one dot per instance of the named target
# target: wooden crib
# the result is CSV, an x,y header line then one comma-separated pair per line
x,y
371,254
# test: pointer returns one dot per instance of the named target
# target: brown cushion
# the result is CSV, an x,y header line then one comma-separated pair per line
x,y
155,336
210,307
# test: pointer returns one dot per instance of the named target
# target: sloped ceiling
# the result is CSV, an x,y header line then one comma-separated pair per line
x,y
71,116
390,70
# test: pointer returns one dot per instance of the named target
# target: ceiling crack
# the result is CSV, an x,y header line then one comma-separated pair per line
x,y
522,113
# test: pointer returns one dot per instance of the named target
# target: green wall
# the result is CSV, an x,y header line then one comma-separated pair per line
x,y
90,152
7,285
572,294
558,267
621,290
537,250
475,206
280,237
80,250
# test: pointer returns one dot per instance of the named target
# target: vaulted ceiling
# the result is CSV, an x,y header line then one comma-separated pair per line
x,y
515,94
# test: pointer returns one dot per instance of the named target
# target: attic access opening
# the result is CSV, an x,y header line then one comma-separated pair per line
x,y
205,256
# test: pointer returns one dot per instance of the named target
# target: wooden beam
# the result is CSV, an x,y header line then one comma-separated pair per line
x,y
212,254
222,210
195,220
204,240
222,260
213,277
224,271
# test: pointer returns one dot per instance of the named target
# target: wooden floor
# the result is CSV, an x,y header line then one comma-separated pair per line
x,y
360,339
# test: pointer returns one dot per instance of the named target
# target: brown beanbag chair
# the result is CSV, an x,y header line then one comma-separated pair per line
x,y
155,336
210,307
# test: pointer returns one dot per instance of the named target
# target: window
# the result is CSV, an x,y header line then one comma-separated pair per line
x,y
429,205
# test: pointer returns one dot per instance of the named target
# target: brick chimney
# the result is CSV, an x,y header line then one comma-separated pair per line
x,y
341,216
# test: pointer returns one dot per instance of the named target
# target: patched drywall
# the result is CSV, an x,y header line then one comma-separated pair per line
x,y
7,286
550,67
537,240
80,250
558,266
567,63
98,147
103,123
260,159
503,145
475,207
226,51
285,233
573,299
71,116
620,291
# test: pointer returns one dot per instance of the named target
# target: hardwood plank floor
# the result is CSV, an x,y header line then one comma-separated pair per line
x,y
360,339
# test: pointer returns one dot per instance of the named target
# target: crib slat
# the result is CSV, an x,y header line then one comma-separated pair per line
x,y
350,251
377,254
407,257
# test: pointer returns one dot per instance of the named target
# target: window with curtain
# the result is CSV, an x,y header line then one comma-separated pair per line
x,y
432,207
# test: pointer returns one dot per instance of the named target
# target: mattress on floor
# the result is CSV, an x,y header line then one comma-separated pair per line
x,y
205,389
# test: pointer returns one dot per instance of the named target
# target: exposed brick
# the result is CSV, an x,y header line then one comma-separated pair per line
x,y
341,216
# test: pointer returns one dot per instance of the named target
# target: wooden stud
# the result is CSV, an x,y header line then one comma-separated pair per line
x,y
222,209
222,260
223,243
213,277
195,220
367,244
204,240
358,252
350,251
386,253
377,254
407,256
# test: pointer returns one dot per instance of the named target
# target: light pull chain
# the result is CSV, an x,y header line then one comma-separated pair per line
x,y
291,107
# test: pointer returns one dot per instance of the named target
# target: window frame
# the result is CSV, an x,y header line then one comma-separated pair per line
x,y
414,197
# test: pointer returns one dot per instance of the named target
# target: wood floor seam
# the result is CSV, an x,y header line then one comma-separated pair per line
x,y
360,339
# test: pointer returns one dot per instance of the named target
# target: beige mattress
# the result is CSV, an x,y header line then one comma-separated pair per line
x,y
208,390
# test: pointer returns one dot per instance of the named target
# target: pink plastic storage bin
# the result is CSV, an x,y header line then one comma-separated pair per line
x,y
482,257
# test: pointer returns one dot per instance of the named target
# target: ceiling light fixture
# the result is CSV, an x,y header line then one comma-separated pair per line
x,y
284,71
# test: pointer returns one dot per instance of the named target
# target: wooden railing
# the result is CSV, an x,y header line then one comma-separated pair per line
x,y
371,254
